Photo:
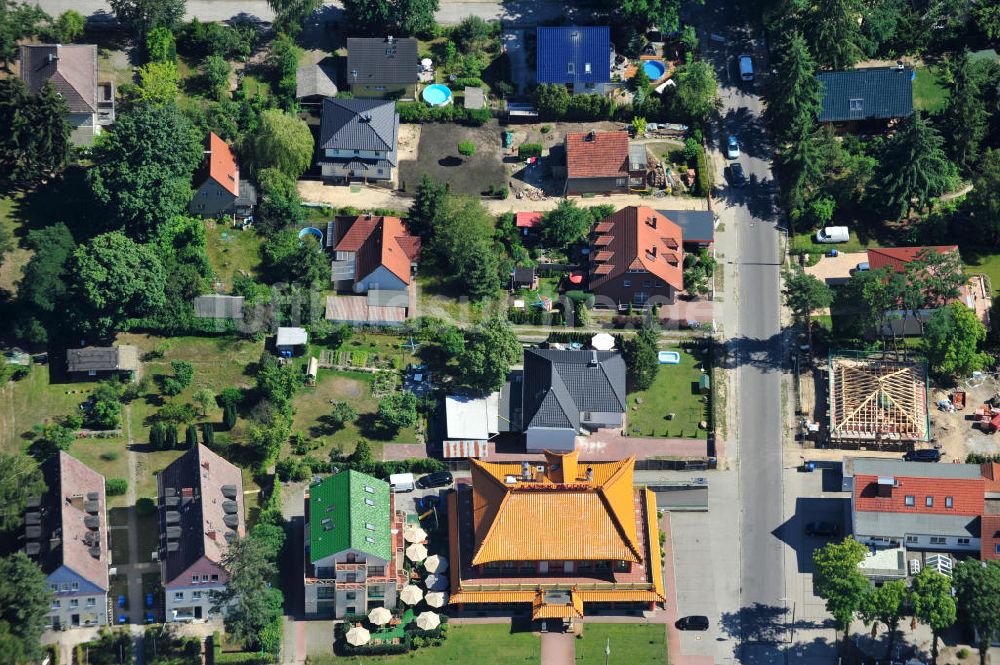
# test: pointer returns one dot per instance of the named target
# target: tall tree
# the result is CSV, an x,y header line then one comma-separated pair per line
x,y
411,17
794,92
36,143
804,294
834,31
951,341
884,604
462,247
142,170
567,224
801,160
114,279
839,582
67,27
641,361
415,17
695,97
290,16
490,349
978,587
20,478
24,603
644,14
283,142
933,604
18,21
965,116
280,204
141,16
914,167
428,198
249,603
982,204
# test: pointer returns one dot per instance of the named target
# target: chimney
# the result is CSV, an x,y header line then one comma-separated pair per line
x,y
591,136
593,359
204,465
390,39
651,220
53,57
590,474
526,473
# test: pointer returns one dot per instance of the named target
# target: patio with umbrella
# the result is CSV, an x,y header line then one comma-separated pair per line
x,y
414,534
411,594
380,616
436,564
416,552
602,342
436,599
428,621
357,636
436,583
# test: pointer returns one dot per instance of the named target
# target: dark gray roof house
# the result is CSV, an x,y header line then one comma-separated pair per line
x,y
697,226
357,138
378,67
877,93
313,82
94,360
566,391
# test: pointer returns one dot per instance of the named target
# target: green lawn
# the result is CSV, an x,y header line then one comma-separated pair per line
x,y
804,242
231,252
482,644
15,259
630,643
988,265
929,93
675,390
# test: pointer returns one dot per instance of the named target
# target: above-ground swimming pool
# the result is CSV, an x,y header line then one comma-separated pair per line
x,y
437,94
668,357
310,231
654,69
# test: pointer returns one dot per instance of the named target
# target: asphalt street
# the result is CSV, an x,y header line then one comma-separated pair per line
x,y
514,11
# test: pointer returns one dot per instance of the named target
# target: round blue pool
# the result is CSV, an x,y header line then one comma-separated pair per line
x,y
654,69
437,94
310,231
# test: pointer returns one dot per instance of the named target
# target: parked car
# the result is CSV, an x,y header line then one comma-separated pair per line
x,y
736,176
746,67
828,529
923,455
436,479
833,234
732,147
861,267
693,622
401,482
425,503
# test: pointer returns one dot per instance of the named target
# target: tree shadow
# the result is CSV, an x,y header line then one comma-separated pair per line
x,y
369,429
749,129
769,355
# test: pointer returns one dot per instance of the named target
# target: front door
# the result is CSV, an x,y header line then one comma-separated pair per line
x,y
543,566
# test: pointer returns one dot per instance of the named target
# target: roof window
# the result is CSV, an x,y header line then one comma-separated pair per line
x,y
571,68
370,539
857,104
586,68
369,502
369,489
369,526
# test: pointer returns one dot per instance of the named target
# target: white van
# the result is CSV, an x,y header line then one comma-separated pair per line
x,y
746,67
401,482
833,234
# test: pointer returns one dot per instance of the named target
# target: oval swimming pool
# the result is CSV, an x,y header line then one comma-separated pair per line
x,y
437,94
310,231
654,69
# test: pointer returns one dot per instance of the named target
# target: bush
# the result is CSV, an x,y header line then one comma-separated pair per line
x,y
526,150
466,148
115,486
109,456
468,82
207,434
704,178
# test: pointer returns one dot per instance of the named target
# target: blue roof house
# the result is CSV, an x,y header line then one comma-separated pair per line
x,y
577,56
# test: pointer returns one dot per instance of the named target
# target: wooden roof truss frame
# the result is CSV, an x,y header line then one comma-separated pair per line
x,y
877,399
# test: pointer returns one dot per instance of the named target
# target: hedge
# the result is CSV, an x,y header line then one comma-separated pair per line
x,y
704,177
115,486
220,657
418,112
526,150
291,469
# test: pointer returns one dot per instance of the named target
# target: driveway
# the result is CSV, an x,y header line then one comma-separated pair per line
x,y
558,648
836,269
513,44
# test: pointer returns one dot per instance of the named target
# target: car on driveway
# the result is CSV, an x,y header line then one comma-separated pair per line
x,y
923,455
693,622
436,479
746,67
736,176
825,529
732,147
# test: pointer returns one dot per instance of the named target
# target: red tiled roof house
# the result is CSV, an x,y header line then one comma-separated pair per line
x,y
990,528
637,258
596,163
218,187
372,253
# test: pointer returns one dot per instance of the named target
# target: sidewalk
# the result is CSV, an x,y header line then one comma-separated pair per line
x,y
672,613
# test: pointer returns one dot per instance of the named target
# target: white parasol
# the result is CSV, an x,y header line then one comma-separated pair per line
x,y
414,534
357,636
436,564
602,342
380,616
411,594
437,599
416,552
428,621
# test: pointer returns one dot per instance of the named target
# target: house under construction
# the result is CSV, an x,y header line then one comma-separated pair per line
x,y
877,401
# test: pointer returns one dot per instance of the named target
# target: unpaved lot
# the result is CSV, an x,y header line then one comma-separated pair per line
x,y
438,157
837,269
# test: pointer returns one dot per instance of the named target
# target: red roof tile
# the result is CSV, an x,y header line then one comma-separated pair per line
x,y
597,155
380,241
990,537
967,495
898,257
222,164
527,220
642,239
991,472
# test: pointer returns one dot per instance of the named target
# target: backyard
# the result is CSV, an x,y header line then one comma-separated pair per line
x,y
437,156
929,93
805,243
469,643
985,264
231,252
675,390
630,643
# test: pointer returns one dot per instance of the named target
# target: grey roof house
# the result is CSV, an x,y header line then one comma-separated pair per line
x,y
313,83
385,68
697,226
565,392
871,94
102,360
72,71
357,138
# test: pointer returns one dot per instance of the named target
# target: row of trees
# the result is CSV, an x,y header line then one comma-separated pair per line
x,y
849,595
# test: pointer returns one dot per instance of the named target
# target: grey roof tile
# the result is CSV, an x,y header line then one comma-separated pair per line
x,y
378,61
72,69
358,124
866,94
560,385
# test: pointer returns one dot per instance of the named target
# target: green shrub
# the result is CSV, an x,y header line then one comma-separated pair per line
x,y
466,148
963,653
526,150
468,82
115,486
109,456
704,178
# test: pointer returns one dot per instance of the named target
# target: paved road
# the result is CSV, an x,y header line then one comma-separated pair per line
x,y
517,11
754,332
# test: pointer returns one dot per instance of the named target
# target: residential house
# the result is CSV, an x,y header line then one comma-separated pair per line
x,y
596,163
562,538
219,190
974,294
357,138
72,71
528,222
579,57
636,259
922,507
523,277
384,68
697,227
867,98
353,546
201,508
94,361
372,253
989,529
470,423
314,83
566,393
66,533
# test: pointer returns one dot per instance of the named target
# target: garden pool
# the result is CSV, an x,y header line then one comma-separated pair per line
x,y
310,231
654,69
437,94
669,357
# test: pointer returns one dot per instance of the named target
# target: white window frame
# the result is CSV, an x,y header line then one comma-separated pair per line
x,y
910,500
